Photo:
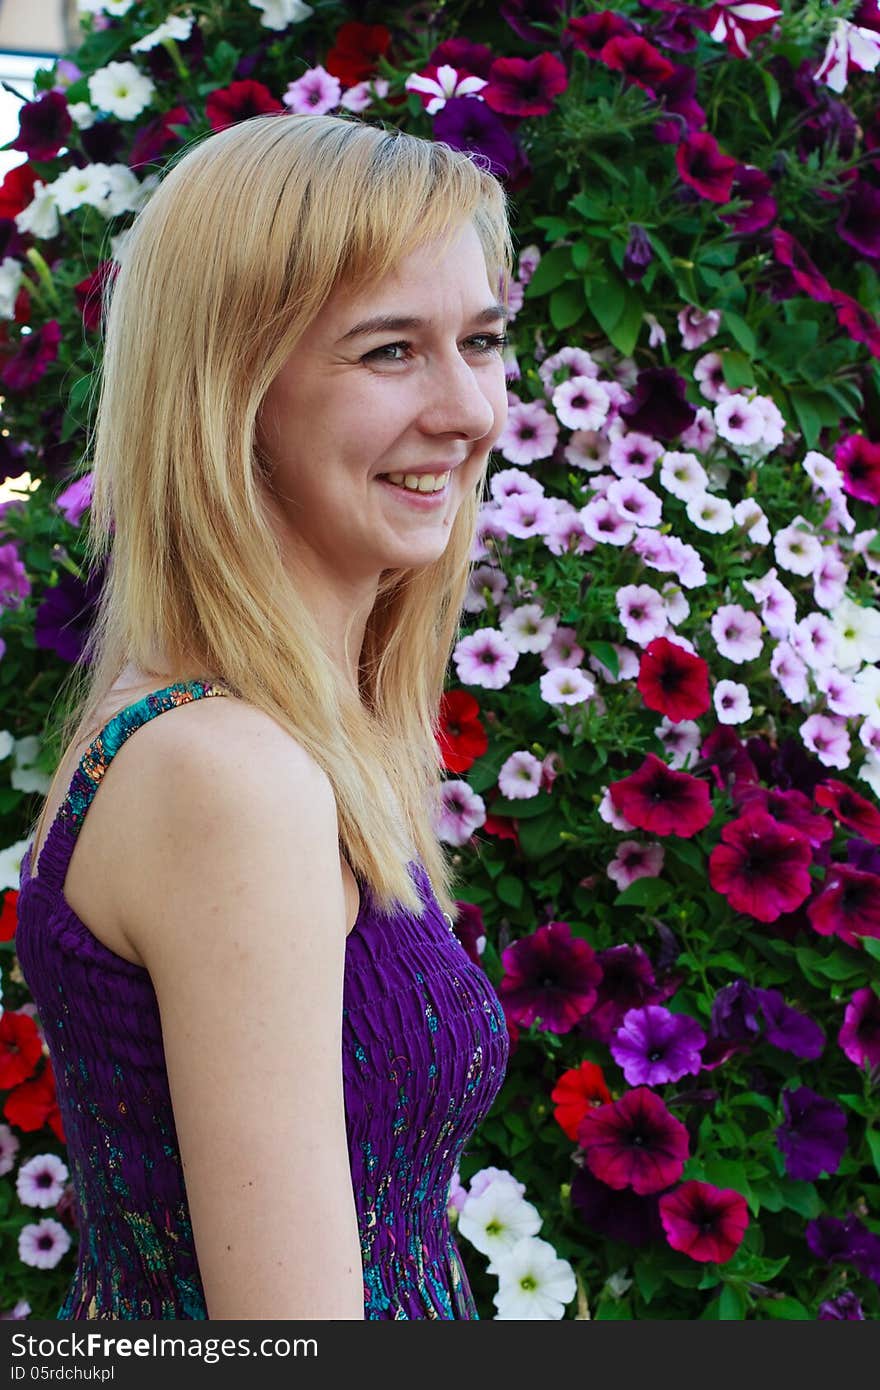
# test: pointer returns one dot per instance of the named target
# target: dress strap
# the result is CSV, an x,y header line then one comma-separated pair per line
x,y
62,834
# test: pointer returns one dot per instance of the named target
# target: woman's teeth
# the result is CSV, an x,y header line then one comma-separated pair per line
x,y
419,482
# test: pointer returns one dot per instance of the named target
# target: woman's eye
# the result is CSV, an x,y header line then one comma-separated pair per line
x,y
484,343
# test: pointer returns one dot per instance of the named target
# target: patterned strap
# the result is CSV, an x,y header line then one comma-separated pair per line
x,y
52,868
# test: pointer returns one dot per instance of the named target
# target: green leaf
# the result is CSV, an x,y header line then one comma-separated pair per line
x,y
538,838
605,652
740,331
873,1139
553,267
567,304
645,892
771,87
607,301
581,255
732,1304
871,945
625,333
688,853
809,418
526,809
738,370
789,1308
79,394
510,890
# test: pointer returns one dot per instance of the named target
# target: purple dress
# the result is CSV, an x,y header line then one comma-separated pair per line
x,y
424,1051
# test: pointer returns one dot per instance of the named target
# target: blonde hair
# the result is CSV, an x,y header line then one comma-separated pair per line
x,y
237,250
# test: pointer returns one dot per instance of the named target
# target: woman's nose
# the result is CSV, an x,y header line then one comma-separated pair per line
x,y
457,401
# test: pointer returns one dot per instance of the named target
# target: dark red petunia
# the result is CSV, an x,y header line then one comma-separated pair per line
x,y
591,32
848,905
475,59
850,808
89,293
858,459
753,187
461,736
35,352
525,86
238,102
578,1090
678,95
762,868
673,681
860,222
658,799
9,915
470,930
702,164
789,808
634,1142
550,978
34,1104
156,136
859,324
355,54
44,126
728,759
658,407
17,190
704,1222
639,61
20,1048
503,828
804,272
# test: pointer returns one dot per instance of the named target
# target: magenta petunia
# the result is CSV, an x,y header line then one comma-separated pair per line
x,y
761,867
550,978
850,808
704,1222
634,1142
806,275
639,61
788,807
848,905
525,86
34,355
860,223
591,32
656,798
858,460
704,167
859,1036
859,324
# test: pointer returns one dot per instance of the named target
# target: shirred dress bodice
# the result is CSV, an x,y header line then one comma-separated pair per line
x,y
424,1052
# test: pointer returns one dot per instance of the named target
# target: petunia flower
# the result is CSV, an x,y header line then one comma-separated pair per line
x,y
634,1142
461,737
849,45
654,1046
681,740
637,257
697,326
859,223
849,808
826,735
708,372
737,633
30,363
461,812
485,658
788,807
533,1282
618,1215
732,703
627,983
658,407
440,84
575,1092
530,433
591,32
761,867
859,1036
845,1306
807,277
633,455
43,1243
239,101
704,167
657,799
581,403
20,1048
639,61
40,1181
848,905
672,681
813,1136
523,87
468,123
550,978
858,460
316,92
10,1145
494,1219
519,776
44,126
704,1222
634,860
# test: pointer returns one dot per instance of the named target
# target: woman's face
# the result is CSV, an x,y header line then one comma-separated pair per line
x,y
354,403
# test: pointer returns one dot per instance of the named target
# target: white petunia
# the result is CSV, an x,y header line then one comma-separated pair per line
x,y
176,27
870,772
732,703
82,114
10,864
277,14
710,513
11,272
121,89
528,628
24,777
40,217
533,1282
496,1219
76,188
796,548
857,634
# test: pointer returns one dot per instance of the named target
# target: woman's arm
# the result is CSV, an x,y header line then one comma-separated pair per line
x,y
237,908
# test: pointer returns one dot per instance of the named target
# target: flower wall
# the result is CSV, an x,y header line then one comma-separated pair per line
x,y
662,723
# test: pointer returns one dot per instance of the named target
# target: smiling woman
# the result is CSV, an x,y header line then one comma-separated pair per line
x,y
255,904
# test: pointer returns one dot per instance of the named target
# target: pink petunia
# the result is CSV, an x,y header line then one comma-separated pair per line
x,y
634,860
737,633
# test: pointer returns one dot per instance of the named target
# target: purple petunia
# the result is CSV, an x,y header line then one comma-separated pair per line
x,y
845,1242
845,1307
813,1137
653,1045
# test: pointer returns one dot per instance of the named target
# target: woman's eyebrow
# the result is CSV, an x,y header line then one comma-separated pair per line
x,y
394,323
